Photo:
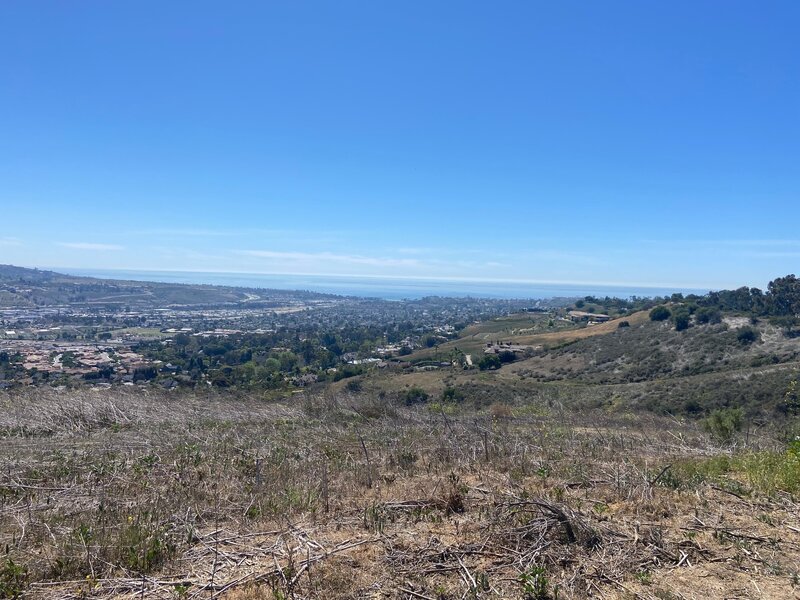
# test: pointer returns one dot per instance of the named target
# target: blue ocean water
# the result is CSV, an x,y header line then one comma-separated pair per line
x,y
388,288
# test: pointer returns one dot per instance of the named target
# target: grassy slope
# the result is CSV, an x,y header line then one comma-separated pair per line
x,y
474,338
645,366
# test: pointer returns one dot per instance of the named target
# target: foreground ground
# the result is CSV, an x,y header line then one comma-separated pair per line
x,y
133,494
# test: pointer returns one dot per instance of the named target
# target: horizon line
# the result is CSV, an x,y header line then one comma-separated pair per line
x,y
454,279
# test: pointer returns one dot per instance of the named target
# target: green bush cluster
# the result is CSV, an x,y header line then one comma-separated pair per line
x,y
660,313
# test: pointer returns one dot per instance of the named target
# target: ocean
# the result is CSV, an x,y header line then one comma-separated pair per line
x,y
388,288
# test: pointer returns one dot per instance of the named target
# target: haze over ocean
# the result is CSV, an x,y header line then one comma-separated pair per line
x,y
389,288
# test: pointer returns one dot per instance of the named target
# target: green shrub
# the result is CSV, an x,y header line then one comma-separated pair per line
x,y
660,313
415,395
144,545
724,423
535,585
451,394
682,321
13,580
354,385
747,335
708,314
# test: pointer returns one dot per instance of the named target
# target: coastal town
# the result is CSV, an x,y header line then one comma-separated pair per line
x,y
104,336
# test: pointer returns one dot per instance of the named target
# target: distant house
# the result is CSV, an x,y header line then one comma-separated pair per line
x,y
304,380
505,347
579,315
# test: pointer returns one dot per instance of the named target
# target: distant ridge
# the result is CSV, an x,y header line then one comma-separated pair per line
x,y
26,287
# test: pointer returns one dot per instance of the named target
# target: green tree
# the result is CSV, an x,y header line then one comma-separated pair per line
x,y
784,296
506,356
489,361
288,360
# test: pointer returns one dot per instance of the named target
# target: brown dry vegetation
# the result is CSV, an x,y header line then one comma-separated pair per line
x,y
128,494
510,329
569,335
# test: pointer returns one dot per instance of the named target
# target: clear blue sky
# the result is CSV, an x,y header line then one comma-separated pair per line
x,y
622,142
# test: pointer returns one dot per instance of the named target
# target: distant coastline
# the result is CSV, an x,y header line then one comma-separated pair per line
x,y
387,288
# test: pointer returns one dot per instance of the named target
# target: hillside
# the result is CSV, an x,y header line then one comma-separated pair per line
x,y
647,350
21,287
729,362
525,329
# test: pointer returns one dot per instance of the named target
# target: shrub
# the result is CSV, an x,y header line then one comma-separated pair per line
x,y
451,394
415,395
747,335
723,423
454,498
13,580
708,314
660,313
535,585
144,545
682,321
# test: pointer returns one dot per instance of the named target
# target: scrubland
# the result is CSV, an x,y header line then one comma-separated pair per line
x,y
351,493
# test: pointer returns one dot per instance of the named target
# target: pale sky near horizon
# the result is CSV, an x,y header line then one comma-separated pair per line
x,y
621,142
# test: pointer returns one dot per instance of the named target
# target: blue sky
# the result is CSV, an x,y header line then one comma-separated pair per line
x,y
619,142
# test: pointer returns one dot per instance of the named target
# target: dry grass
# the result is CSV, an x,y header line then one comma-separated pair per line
x,y
561,337
166,496
474,338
